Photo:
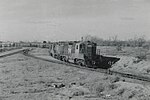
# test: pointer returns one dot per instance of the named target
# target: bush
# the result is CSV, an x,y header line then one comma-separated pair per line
x,y
78,93
115,79
112,86
120,92
140,58
99,89
148,70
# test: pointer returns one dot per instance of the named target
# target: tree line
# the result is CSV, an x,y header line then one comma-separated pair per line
x,y
137,41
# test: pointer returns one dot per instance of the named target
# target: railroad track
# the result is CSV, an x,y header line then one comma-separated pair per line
x,y
9,53
110,72
64,63
132,76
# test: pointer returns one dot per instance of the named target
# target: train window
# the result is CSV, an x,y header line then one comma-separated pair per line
x,y
80,46
70,43
77,47
89,45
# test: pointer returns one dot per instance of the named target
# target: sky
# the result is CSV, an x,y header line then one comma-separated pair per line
x,y
54,20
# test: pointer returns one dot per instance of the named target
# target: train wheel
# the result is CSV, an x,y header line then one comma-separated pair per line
x,y
51,54
80,62
75,61
58,57
61,58
55,56
66,59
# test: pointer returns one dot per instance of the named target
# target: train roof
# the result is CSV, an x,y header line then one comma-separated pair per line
x,y
87,42
73,42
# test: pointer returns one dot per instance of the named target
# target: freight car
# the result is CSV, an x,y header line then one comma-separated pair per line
x,y
82,53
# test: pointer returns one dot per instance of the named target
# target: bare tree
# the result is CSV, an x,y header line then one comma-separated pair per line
x,y
95,39
141,40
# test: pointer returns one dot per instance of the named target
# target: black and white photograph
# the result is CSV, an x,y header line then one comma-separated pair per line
x,y
74,49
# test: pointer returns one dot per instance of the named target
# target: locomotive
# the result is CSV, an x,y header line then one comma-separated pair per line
x,y
81,53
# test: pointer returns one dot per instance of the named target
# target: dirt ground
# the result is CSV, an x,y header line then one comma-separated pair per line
x,y
25,78
132,65
129,63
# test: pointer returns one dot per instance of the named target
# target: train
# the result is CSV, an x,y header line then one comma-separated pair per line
x,y
83,53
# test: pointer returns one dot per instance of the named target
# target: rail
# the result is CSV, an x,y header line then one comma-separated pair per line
x,y
12,52
106,71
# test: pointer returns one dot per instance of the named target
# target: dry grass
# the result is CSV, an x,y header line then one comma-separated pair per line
x,y
30,79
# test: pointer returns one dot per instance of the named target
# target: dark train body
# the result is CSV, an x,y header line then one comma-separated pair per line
x,y
82,53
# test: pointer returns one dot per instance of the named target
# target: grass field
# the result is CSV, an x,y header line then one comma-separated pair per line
x,y
126,51
24,78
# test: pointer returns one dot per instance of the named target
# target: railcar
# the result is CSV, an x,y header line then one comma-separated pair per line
x,y
82,53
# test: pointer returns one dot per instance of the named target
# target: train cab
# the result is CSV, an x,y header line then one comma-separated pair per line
x,y
83,52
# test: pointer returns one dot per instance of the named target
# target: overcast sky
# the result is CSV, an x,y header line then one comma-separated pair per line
x,y
53,20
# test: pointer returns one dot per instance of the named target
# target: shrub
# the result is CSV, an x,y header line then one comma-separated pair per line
x,y
115,79
112,86
121,91
78,93
100,88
